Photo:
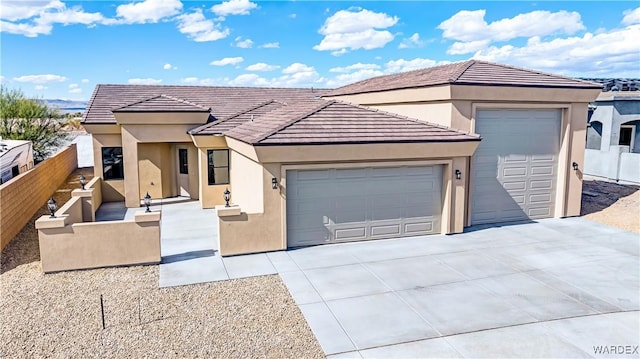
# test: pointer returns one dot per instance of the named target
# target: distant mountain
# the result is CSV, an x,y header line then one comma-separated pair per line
x,y
66,105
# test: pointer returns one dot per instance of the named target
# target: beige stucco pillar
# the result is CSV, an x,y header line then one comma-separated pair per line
x,y
459,191
577,131
130,159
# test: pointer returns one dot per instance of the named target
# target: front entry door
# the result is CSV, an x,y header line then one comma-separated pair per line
x,y
183,172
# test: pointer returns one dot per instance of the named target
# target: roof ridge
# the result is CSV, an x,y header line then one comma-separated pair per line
x,y
296,119
221,87
466,65
391,114
534,71
183,101
237,114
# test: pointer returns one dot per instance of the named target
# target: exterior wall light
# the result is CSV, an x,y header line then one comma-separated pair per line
x,y
83,181
458,174
147,202
52,207
227,197
274,183
575,166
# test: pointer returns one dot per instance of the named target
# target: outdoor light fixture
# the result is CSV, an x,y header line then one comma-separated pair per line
x,y
147,202
575,166
83,181
458,174
227,197
274,183
52,207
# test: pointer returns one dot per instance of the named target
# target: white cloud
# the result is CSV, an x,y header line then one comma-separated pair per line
x,y
203,81
608,53
471,30
40,87
261,66
355,67
73,86
631,17
411,42
200,29
243,44
168,66
85,81
148,11
296,68
350,30
20,10
293,16
144,81
249,80
75,90
299,75
41,16
270,45
233,7
460,48
40,79
402,65
348,78
227,61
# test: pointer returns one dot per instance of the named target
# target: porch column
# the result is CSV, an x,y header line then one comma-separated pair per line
x,y
130,158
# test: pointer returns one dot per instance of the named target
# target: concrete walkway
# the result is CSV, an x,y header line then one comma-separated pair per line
x,y
552,288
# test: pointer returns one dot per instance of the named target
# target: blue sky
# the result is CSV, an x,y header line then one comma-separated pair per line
x,y
62,49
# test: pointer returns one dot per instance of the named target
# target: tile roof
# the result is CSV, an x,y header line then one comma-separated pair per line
x,y
223,101
471,72
162,103
335,122
221,126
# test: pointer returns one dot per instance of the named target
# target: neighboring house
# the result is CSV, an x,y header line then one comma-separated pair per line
x,y
613,144
480,143
15,157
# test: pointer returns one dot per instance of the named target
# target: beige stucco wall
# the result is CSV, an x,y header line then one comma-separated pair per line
x,y
112,190
438,113
28,192
247,179
464,102
100,244
157,169
210,196
266,230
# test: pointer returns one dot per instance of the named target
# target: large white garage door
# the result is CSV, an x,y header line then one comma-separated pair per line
x,y
515,166
352,204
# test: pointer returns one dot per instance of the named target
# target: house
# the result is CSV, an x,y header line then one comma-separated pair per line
x,y
16,156
427,151
613,148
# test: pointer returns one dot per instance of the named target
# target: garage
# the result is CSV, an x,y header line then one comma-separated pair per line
x,y
353,204
514,169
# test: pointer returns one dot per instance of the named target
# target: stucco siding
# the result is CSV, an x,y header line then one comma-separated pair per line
x,y
247,178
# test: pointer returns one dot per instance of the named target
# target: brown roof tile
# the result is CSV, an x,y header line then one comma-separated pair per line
x,y
334,122
224,125
223,101
162,103
471,72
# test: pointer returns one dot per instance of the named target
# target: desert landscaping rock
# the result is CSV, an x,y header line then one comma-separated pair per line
x,y
58,315
614,204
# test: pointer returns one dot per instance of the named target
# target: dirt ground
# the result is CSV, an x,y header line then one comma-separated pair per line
x,y
611,203
59,315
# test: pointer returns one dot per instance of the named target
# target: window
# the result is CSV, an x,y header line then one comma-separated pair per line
x,y
626,136
218,163
184,162
112,168
15,170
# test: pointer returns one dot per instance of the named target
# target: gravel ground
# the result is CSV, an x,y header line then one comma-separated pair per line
x,y
59,315
611,203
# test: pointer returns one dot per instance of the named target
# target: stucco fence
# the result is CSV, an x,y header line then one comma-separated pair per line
x,y
22,196
616,164
73,240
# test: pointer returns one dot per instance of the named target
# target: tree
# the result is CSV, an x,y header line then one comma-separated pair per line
x,y
22,118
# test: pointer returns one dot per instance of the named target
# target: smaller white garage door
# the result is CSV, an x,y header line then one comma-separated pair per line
x,y
515,166
352,204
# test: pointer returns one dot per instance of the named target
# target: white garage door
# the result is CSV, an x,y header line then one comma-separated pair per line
x,y
515,166
352,204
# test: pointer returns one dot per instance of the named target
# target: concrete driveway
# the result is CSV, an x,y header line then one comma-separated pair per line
x,y
555,288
